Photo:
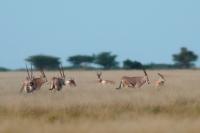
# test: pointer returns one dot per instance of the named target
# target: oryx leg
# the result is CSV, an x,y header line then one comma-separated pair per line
x,y
52,87
58,87
120,85
22,88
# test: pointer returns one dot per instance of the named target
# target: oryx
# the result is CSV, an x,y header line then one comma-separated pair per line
x,y
133,82
58,82
103,81
32,83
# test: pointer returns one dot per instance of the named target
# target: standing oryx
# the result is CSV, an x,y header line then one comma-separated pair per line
x,y
134,81
58,82
160,81
102,81
39,81
27,84
32,83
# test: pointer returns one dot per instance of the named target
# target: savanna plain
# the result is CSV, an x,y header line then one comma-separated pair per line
x,y
94,108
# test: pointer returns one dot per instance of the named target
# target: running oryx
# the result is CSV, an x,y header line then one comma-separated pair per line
x,y
161,81
102,81
134,81
58,82
32,83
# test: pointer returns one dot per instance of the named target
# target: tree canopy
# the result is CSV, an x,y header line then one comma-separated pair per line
x,y
80,60
185,58
106,60
44,61
129,64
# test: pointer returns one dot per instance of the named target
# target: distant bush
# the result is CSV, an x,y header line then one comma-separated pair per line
x,y
160,66
79,68
129,64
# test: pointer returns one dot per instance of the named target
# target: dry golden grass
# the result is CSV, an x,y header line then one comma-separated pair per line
x,y
91,107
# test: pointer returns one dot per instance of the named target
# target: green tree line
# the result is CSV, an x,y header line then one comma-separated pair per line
x,y
106,60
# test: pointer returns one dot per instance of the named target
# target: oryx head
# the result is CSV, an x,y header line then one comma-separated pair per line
x,y
29,84
99,75
29,87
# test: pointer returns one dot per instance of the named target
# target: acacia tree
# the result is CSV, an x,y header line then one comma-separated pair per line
x,y
106,60
185,58
44,61
80,60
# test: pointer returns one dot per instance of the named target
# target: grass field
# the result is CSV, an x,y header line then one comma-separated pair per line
x,y
93,108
